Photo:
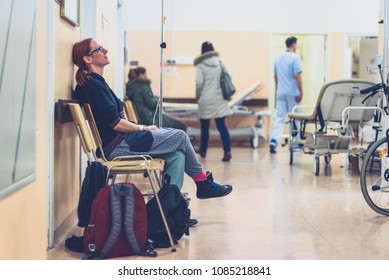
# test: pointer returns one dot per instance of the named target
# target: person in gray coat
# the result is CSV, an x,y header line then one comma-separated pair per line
x,y
211,103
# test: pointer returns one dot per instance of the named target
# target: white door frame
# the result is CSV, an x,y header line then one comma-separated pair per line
x,y
50,120
346,57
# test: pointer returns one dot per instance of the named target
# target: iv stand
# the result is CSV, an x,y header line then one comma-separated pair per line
x,y
163,46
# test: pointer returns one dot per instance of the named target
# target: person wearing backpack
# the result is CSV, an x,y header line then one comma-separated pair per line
x,y
121,137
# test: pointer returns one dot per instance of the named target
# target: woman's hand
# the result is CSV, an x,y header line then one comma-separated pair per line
x,y
151,127
125,126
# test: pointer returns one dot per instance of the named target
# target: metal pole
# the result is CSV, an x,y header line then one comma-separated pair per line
x,y
386,38
385,54
163,46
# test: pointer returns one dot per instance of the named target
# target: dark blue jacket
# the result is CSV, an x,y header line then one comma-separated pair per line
x,y
107,110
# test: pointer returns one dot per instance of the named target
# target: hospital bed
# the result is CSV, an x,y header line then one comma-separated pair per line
x,y
189,112
339,107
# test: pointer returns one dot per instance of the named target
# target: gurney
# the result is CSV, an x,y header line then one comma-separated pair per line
x,y
339,106
189,112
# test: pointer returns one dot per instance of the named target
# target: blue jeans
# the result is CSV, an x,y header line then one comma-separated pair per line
x,y
223,131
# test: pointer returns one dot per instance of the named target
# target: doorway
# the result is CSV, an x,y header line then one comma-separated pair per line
x,y
360,52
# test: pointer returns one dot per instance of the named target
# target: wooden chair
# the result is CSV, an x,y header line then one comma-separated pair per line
x,y
119,165
130,111
132,115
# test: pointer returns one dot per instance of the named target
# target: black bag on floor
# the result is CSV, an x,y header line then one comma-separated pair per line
x,y
94,181
177,214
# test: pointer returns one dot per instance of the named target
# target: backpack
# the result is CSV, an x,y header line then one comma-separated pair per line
x,y
118,224
177,214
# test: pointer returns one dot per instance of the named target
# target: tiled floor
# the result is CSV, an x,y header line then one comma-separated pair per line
x,y
278,212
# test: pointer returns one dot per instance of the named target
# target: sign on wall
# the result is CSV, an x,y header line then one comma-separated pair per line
x,y
70,11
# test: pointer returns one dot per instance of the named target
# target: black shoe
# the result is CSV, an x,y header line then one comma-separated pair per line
x,y
272,146
75,244
202,154
226,157
210,189
192,222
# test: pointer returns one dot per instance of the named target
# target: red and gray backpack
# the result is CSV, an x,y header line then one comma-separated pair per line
x,y
118,224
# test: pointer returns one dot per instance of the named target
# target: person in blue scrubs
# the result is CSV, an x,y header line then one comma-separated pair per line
x,y
289,91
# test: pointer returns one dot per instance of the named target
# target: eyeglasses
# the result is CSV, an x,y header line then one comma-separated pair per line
x,y
100,49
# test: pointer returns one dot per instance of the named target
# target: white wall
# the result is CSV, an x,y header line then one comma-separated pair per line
x,y
278,16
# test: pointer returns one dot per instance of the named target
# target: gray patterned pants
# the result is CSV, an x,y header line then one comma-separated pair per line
x,y
166,141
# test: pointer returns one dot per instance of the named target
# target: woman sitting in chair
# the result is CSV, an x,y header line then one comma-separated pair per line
x,y
139,91
121,137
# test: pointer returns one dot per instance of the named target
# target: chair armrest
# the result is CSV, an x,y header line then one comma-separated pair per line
x,y
133,157
295,108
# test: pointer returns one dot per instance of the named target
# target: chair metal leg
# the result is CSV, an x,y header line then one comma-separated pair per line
x,y
156,185
155,182
113,178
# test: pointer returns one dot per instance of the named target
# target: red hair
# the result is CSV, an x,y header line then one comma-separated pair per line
x,y
81,49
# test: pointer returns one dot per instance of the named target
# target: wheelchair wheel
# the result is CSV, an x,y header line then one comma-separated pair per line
x,y
360,162
254,141
317,165
327,158
374,177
